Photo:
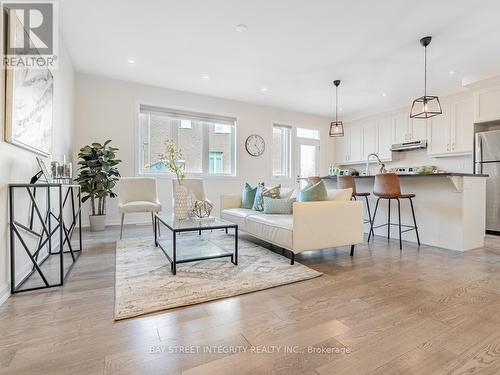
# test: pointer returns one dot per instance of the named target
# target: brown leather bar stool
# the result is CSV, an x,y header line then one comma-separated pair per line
x,y
346,182
387,186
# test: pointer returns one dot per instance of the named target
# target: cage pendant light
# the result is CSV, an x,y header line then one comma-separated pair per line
x,y
336,127
428,105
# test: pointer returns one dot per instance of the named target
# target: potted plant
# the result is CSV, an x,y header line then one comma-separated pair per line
x,y
171,160
97,177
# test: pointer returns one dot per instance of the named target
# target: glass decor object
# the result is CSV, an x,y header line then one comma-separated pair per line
x,y
428,105
336,127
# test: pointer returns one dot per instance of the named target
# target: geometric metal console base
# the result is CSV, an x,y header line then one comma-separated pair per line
x,y
43,230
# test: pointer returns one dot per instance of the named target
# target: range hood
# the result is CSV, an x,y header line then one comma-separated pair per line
x,y
408,146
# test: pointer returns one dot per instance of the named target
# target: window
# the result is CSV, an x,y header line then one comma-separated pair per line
x,y
308,133
216,162
207,142
281,151
222,129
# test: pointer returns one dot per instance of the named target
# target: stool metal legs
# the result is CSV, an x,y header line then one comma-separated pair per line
x,y
414,221
400,226
369,221
373,220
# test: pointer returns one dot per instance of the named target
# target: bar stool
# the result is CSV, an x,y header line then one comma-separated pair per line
x,y
387,186
346,182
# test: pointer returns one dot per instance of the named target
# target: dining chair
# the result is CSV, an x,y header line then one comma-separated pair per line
x,y
138,194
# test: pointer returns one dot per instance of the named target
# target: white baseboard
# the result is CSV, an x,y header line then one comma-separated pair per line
x,y
4,293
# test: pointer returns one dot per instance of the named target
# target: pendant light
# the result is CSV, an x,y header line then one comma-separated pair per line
x,y
426,106
336,127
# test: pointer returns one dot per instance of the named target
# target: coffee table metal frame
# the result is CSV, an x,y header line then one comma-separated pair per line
x,y
202,227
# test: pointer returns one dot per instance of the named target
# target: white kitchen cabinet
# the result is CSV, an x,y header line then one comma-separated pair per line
x,y
356,144
400,128
384,139
439,132
370,139
462,130
487,105
417,130
341,149
407,130
451,133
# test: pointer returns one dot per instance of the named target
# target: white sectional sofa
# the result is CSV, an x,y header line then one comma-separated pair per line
x,y
312,226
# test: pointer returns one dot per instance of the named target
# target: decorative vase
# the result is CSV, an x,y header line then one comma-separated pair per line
x,y
97,223
181,209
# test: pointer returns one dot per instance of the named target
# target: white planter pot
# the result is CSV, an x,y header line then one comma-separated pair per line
x,y
97,223
181,209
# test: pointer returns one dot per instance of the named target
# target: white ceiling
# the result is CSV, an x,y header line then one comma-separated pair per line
x,y
295,48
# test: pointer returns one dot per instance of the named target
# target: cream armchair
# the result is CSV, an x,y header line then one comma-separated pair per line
x,y
312,226
138,194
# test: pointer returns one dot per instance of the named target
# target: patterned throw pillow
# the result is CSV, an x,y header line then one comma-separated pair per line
x,y
278,206
248,196
262,191
312,193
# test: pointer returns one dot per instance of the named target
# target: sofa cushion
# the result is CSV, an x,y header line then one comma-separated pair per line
x,y
339,194
312,193
248,196
236,215
287,193
278,206
277,229
262,191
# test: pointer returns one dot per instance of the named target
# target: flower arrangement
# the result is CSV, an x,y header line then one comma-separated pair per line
x,y
171,160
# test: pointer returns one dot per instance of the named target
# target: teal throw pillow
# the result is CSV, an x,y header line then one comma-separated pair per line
x,y
278,206
248,196
315,192
262,191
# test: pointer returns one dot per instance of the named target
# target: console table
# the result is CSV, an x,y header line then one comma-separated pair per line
x,y
43,232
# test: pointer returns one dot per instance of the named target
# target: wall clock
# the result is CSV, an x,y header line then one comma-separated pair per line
x,y
255,145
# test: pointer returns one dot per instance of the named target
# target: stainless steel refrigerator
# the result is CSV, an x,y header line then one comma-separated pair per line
x,y
487,161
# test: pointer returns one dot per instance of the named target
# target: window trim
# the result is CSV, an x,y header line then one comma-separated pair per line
x,y
289,176
168,175
307,128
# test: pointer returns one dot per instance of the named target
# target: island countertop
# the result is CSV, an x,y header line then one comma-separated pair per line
x,y
443,174
450,208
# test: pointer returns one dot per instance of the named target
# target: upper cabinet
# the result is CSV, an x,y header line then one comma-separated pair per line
x,y
363,139
384,138
487,104
452,132
405,129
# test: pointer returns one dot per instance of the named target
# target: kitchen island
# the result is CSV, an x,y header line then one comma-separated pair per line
x,y
450,208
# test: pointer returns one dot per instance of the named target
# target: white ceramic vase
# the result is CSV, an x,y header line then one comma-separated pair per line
x,y
181,209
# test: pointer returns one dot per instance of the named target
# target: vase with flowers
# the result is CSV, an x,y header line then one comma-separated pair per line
x,y
171,160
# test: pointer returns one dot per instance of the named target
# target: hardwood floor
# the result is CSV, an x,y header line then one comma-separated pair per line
x,y
419,311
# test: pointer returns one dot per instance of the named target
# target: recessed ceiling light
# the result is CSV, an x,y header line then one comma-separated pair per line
x,y
384,94
263,89
452,72
131,61
205,77
241,28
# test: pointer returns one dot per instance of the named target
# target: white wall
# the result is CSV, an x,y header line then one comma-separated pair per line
x,y
107,109
19,165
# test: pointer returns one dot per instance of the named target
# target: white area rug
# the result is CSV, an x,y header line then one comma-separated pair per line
x,y
144,283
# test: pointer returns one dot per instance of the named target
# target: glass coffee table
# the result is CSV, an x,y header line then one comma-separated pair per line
x,y
183,249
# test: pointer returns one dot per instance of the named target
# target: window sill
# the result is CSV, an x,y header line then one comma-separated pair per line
x,y
163,176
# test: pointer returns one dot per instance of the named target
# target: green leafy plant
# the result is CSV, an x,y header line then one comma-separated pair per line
x,y
171,160
98,174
